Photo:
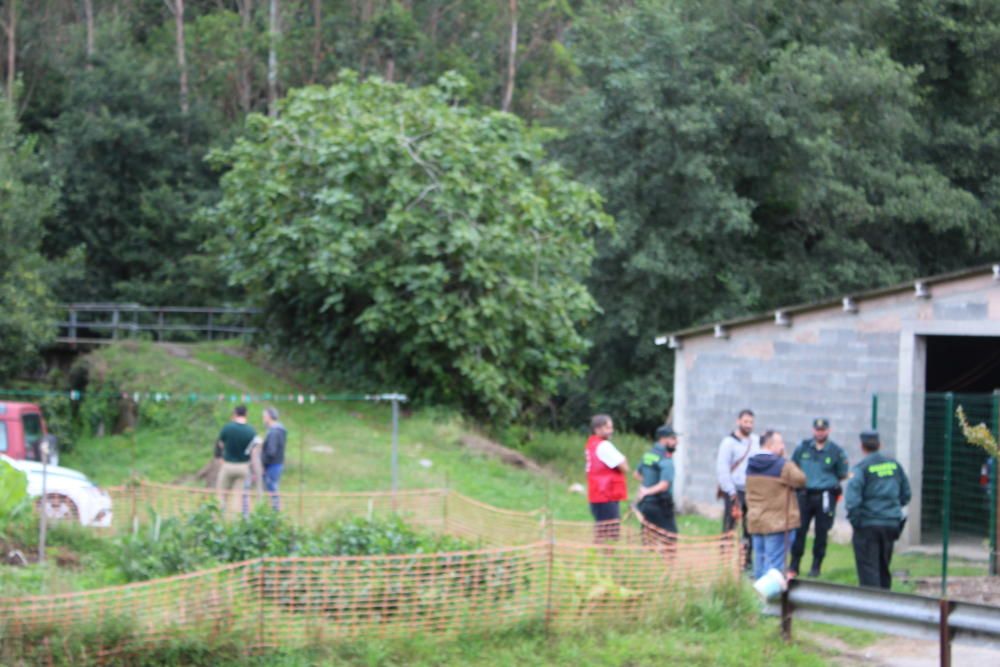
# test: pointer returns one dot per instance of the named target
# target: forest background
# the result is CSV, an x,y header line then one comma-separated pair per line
x,y
747,153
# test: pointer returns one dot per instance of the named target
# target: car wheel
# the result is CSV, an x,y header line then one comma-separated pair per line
x,y
59,507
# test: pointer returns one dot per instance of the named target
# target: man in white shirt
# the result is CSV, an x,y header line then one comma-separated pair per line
x,y
731,471
606,478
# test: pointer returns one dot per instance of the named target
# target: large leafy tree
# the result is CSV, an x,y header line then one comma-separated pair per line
x,y
419,242
27,198
751,160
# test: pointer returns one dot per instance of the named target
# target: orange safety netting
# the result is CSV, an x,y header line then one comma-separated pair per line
x,y
532,569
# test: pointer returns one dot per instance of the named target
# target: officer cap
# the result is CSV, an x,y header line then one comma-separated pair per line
x,y
821,422
870,438
665,432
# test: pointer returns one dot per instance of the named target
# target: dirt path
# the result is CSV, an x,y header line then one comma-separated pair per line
x,y
181,352
897,652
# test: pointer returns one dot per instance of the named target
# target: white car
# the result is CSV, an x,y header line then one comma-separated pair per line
x,y
68,493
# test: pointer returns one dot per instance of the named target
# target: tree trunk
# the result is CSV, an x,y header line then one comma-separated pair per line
x,y
88,15
317,54
390,69
272,60
176,8
508,89
244,77
10,31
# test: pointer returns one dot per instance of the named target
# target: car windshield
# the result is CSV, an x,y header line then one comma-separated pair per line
x,y
32,435
3,437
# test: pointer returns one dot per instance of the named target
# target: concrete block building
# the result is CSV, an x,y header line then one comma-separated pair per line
x,y
875,356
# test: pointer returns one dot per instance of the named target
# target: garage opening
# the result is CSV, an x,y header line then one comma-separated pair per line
x,y
969,367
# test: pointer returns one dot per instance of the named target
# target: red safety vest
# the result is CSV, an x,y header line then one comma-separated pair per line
x,y
604,484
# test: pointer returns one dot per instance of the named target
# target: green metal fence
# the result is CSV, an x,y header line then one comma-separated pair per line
x,y
953,514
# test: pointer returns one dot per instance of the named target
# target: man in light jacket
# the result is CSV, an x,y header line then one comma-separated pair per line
x,y
735,451
772,510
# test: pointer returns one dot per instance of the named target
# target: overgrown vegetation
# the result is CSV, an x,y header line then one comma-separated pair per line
x,y
203,539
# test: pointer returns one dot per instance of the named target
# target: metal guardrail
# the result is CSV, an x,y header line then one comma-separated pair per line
x,y
903,614
107,322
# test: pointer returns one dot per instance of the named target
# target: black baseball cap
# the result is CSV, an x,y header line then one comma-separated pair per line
x,y
870,438
666,432
821,422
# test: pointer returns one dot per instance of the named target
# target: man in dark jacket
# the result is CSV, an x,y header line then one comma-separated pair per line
x,y
656,473
272,457
875,497
825,465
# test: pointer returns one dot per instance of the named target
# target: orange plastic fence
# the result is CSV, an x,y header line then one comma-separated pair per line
x,y
548,571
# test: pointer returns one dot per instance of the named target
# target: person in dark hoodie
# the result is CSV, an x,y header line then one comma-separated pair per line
x,y
272,457
772,511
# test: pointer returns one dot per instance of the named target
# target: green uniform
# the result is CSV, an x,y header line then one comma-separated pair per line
x,y
235,439
876,494
657,466
824,468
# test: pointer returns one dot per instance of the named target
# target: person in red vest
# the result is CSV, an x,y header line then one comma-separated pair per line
x,y
606,478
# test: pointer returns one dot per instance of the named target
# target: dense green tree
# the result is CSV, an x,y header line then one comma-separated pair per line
x,y
422,243
956,45
27,198
747,170
132,176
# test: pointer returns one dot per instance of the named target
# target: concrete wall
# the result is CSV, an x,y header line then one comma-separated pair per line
x,y
828,363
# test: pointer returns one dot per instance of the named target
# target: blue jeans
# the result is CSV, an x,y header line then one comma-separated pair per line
x,y
272,474
769,551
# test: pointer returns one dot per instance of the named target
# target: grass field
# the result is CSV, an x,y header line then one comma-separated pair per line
x,y
332,445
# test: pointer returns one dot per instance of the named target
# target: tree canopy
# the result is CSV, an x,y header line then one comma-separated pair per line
x,y
422,242
28,198
753,153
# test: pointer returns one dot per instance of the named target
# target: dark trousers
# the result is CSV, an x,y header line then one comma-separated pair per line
x,y
659,512
873,553
608,520
811,507
729,523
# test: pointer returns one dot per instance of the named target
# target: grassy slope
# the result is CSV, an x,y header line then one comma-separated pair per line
x,y
174,440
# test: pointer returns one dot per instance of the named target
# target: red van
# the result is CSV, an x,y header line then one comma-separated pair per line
x,y
22,430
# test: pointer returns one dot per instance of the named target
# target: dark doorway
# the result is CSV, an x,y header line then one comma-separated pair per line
x,y
963,364
969,368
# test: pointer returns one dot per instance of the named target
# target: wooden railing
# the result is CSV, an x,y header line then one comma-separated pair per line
x,y
108,322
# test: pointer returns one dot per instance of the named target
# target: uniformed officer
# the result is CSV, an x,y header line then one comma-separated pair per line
x,y
876,493
656,473
825,465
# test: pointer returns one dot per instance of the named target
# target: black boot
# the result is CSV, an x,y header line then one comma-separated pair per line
x,y
814,572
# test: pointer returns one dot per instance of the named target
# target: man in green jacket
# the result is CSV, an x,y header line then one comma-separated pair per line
x,y
876,493
656,473
825,465
234,441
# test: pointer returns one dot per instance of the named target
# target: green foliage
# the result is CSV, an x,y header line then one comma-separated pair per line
x,y
131,175
13,491
978,435
425,244
27,199
754,154
203,539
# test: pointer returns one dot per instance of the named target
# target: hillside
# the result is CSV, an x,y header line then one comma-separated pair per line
x,y
332,445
